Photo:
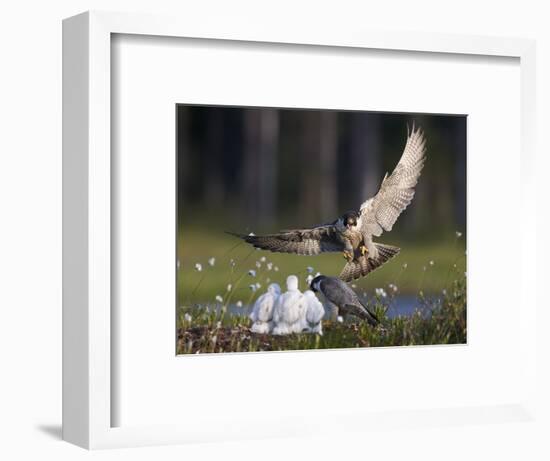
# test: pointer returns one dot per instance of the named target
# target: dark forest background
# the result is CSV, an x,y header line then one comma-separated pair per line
x,y
262,169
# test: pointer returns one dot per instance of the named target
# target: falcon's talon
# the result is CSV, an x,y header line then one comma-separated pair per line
x,y
348,255
364,250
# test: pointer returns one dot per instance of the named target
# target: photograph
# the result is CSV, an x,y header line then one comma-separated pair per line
x,y
302,229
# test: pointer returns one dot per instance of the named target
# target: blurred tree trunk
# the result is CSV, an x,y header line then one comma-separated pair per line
x,y
366,153
259,174
328,147
214,192
184,154
249,179
309,178
267,165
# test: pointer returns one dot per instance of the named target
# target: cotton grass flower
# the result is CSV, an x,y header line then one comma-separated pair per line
x,y
269,266
340,319
262,259
211,262
458,234
252,273
239,304
219,299
405,265
229,287
276,269
309,279
258,264
198,267
187,317
432,262
309,270
380,292
258,286
252,287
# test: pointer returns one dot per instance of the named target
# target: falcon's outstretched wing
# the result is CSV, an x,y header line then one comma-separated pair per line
x,y
380,212
312,241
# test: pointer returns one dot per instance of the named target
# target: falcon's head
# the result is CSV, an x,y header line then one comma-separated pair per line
x,y
314,285
350,219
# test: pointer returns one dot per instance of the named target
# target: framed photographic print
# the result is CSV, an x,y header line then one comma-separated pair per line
x,y
267,216
266,169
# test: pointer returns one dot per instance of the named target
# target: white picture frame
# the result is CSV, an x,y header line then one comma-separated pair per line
x,y
88,364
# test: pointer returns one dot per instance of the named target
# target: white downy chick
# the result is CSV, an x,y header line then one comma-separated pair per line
x,y
262,312
289,311
314,313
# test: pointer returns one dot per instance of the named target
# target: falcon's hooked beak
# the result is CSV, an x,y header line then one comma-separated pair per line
x,y
350,219
351,222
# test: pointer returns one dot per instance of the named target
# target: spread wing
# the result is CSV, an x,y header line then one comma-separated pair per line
x,y
380,212
312,241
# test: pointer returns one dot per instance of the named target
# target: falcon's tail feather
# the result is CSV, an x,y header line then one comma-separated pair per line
x,y
363,312
363,265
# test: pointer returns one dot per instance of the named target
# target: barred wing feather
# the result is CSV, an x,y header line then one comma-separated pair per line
x,y
380,212
312,241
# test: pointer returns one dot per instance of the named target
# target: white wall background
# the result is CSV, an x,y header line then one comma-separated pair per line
x,y
30,222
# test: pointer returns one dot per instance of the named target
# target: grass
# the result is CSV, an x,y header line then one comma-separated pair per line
x,y
196,246
435,274
443,321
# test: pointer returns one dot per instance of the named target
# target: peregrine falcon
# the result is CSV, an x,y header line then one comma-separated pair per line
x,y
343,297
352,233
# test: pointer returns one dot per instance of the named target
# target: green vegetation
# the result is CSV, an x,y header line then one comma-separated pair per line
x,y
434,274
442,321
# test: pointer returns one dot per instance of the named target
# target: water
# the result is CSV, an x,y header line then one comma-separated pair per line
x,y
399,306
404,306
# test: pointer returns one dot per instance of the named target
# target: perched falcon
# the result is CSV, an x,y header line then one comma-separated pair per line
x,y
352,233
343,297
